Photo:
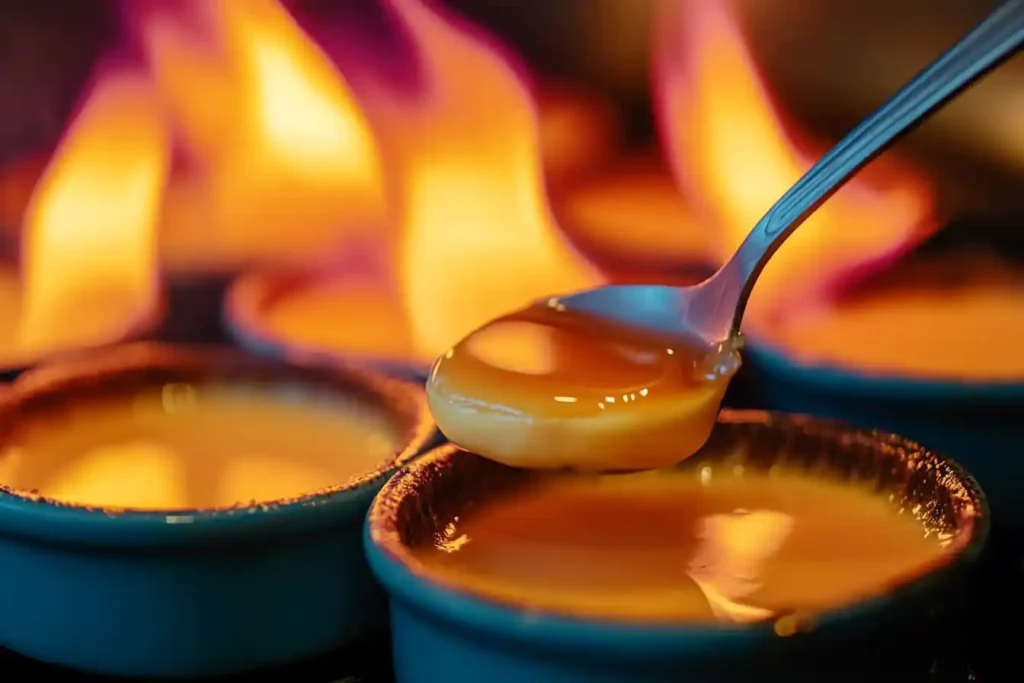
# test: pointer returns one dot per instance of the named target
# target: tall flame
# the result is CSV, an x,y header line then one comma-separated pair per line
x,y
731,155
89,260
477,238
288,164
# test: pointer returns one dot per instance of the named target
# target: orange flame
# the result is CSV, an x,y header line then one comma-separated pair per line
x,y
731,155
282,163
477,238
89,260
287,162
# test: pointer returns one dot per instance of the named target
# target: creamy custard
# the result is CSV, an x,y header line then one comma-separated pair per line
x,y
547,388
680,546
346,314
956,318
196,446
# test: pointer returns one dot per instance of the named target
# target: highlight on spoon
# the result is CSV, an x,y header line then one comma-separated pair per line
x,y
550,387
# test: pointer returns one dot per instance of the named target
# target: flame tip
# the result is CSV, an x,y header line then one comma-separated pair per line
x,y
735,151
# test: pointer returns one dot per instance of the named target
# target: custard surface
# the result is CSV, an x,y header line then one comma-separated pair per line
x,y
196,446
349,314
682,546
547,388
953,318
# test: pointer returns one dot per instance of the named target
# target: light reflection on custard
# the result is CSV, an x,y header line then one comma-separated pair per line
x,y
731,552
182,446
683,546
546,387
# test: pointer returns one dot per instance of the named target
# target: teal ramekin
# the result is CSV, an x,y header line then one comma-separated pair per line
x,y
979,424
443,633
189,593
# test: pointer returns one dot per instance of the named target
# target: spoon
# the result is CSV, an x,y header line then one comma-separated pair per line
x,y
714,308
631,376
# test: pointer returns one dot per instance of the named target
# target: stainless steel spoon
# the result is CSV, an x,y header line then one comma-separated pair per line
x,y
713,309
482,407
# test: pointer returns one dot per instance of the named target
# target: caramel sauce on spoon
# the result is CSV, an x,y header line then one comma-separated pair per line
x,y
547,387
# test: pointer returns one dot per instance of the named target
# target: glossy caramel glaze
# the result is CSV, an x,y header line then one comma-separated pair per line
x,y
547,388
681,546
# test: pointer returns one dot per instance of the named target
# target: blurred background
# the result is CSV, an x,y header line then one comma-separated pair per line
x,y
665,129
828,63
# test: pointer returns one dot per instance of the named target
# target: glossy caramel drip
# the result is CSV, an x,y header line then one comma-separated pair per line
x,y
683,546
547,387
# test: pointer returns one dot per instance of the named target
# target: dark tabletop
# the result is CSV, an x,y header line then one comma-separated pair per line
x,y
365,662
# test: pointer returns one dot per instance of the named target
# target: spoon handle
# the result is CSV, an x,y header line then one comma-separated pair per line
x,y
990,43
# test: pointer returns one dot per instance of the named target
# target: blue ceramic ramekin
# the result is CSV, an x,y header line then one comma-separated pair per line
x,y
245,304
443,633
187,593
981,425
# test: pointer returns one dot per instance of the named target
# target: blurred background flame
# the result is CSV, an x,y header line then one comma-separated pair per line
x,y
404,132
